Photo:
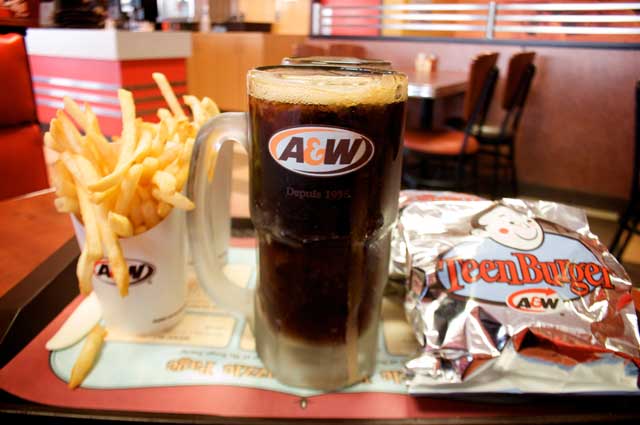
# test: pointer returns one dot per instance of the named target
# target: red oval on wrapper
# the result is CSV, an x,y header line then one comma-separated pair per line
x,y
537,301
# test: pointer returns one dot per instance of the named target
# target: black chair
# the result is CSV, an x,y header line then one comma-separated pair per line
x,y
498,142
628,222
447,159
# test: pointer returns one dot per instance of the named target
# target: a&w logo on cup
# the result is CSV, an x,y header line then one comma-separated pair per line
x,y
320,151
139,271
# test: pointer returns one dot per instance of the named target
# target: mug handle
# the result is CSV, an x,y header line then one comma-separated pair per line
x,y
209,223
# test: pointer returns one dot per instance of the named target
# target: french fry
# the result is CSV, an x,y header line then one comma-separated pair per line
x,y
181,177
120,225
174,167
71,133
143,193
107,196
181,131
164,209
57,132
149,167
149,127
166,182
70,165
84,272
187,150
176,199
168,94
128,126
121,169
94,135
92,250
171,152
52,143
164,114
88,355
149,212
160,138
128,190
196,109
63,180
140,229
91,143
77,142
135,212
74,111
65,204
117,264
210,107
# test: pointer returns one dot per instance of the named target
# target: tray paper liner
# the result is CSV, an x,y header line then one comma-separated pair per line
x,y
210,346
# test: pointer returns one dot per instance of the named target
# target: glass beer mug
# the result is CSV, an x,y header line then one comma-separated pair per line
x,y
325,153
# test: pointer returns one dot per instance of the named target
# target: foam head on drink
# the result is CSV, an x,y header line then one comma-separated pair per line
x,y
340,61
325,174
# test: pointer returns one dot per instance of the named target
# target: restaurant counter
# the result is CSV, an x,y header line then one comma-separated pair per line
x,y
91,65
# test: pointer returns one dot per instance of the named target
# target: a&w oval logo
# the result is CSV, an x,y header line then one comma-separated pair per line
x,y
320,151
535,300
139,271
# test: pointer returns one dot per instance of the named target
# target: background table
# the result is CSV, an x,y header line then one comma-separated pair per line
x,y
434,96
436,84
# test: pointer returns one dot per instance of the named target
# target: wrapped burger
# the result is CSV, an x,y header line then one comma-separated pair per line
x,y
514,296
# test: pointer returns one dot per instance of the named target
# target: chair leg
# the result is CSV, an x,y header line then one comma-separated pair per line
x,y
496,162
474,174
514,172
630,231
617,248
460,181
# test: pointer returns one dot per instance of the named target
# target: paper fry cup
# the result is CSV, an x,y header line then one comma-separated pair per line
x,y
158,279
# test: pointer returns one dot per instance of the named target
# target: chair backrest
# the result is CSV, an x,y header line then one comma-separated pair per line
x,y
348,50
518,65
479,110
17,103
303,49
481,67
520,75
22,161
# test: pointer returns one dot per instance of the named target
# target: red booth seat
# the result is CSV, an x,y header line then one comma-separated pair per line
x,y
22,160
22,165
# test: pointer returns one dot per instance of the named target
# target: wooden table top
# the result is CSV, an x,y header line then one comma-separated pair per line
x,y
30,231
436,84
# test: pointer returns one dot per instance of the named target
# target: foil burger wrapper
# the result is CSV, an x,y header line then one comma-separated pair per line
x,y
513,296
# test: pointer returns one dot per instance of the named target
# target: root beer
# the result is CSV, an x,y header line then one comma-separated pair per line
x,y
324,176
